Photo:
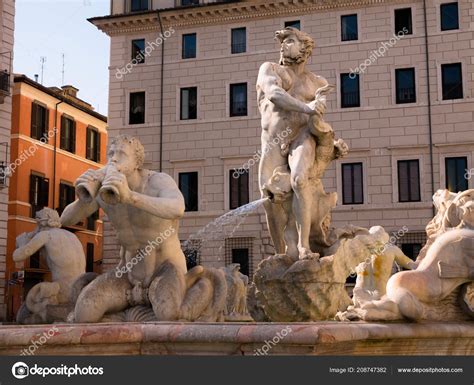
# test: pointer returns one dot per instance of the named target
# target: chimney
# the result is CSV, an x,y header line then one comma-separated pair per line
x,y
70,90
36,78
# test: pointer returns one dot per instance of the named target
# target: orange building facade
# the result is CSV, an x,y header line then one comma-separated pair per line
x,y
44,163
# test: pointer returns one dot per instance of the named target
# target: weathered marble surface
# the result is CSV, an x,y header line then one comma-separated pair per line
x,y
151,280
441,287
312,289
316,338
297,147
50,301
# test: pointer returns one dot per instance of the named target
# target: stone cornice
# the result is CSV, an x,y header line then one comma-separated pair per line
x,y
221,13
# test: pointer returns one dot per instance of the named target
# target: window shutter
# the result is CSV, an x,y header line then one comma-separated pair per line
x,y
62,140
44,192
32,189
46,125
61,198
34,120
73,137
98,148
88,143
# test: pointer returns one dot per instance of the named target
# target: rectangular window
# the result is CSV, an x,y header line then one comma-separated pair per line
x,y
138,5
189,2
90,258
91,219
68,134
138,50
409,181
451,75
39,121
350,90
238,99
456,169
241,256
67,195
403,21
411,250
93,144
39,193
189,46
405,82
239,40
137,108
293,24
449,16
35,261
188,103
188,185
238,188
352,184
349,28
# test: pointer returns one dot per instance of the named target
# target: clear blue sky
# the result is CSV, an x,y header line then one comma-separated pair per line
x,y
51,28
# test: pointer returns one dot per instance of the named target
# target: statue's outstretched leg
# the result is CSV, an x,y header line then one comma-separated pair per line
x,y
105,294
166,292
301,161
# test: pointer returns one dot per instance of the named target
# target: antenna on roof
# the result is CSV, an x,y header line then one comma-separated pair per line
x,y
62,82
42,60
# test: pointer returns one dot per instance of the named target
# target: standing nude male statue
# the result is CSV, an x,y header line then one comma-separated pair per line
x,y
288,99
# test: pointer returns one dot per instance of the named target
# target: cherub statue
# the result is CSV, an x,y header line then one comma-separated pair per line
x,y
65,258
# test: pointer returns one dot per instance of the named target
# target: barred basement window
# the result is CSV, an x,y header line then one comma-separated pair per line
x,y
410,243
240,250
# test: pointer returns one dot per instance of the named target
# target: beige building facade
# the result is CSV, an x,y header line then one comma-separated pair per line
x,y
7,20
402,102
